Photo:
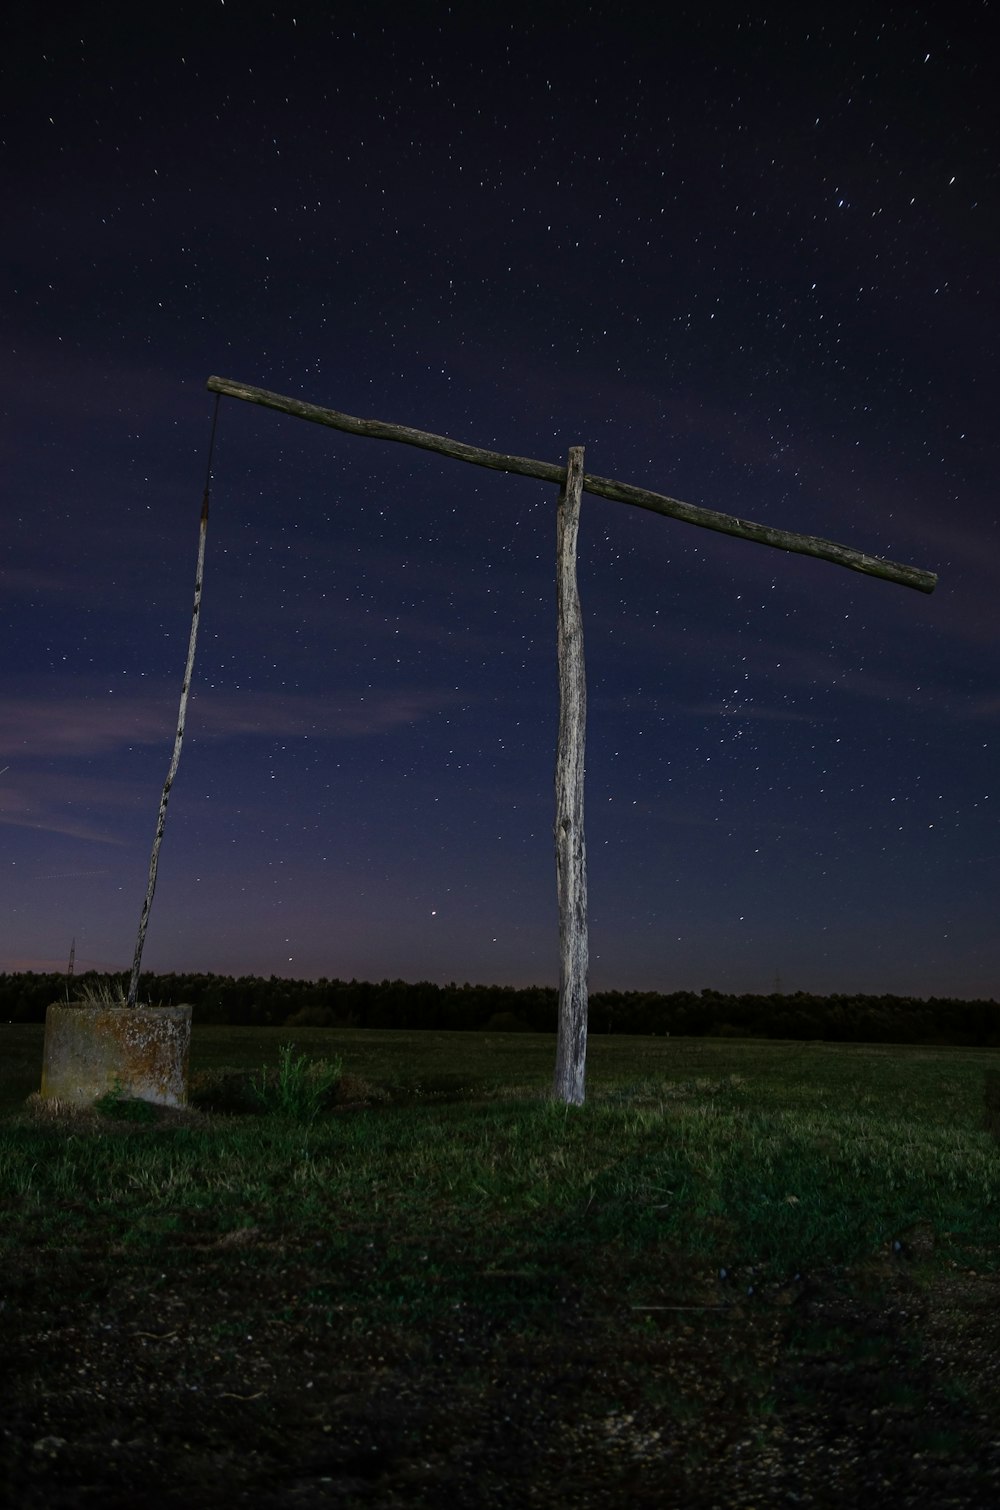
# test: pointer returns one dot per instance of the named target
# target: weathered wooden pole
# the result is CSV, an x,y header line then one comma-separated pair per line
x,y
571,848
604,487
175,759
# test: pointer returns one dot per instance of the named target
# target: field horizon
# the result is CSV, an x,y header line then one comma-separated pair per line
x,y
251,1001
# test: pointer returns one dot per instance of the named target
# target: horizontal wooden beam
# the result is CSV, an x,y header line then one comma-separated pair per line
x,y
603,487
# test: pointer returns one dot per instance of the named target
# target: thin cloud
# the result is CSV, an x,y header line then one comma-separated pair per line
x,y
44,822
27,582
337,716
86,806
82,726
70,875
47,802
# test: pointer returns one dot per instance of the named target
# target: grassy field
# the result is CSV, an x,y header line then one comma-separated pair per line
x,y
742,1269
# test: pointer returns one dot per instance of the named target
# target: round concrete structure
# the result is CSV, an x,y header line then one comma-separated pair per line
x,y
140,1051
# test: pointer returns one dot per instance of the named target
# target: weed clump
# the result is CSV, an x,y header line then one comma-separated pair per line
x,y
299,1089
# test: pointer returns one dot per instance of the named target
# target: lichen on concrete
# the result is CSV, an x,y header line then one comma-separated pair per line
x,y
91,1050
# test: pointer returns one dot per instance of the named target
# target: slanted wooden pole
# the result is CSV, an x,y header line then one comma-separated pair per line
x,y
571,849
604,487
175,759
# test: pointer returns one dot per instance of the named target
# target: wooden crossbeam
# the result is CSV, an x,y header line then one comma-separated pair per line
x,y
603,487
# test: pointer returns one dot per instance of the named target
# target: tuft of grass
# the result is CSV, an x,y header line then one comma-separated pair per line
x,y
299,1089
101,993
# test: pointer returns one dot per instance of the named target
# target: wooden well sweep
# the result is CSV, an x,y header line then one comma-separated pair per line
x,y
571,864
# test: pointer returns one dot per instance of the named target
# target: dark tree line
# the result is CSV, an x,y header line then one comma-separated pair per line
x,y
250,1000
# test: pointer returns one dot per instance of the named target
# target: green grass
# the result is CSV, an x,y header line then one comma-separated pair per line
x,y
299,1088
766,1159
732,1249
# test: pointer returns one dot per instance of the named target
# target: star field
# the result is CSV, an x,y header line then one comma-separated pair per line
x,y
745,259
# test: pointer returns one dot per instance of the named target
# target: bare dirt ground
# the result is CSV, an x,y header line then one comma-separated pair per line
x,y
237,1378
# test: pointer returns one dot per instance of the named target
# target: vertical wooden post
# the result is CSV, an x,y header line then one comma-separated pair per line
x,y
571,853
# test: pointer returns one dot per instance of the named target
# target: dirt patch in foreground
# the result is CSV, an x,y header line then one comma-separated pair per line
x,y
239,1378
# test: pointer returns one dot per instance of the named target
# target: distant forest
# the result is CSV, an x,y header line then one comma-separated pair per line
x,y
255,1001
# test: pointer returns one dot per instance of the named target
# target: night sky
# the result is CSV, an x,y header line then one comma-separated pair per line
x,y
746,258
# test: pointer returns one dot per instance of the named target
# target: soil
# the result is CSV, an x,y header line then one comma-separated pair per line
x,y
224,1371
